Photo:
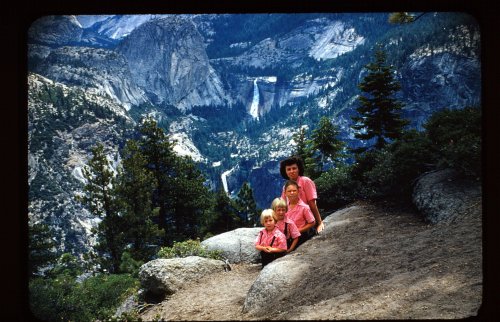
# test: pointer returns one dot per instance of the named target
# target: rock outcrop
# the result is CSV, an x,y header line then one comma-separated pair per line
x,y
162,276
441,195
237,246
101,71
167,58
280,278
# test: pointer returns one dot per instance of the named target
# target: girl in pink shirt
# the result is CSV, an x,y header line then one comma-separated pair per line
x,y
298,211
270,241
292,168
285,224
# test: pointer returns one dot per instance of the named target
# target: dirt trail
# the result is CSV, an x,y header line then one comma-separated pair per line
x,y
219,297
376,263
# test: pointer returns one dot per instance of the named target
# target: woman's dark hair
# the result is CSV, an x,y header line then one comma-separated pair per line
x,y
295,159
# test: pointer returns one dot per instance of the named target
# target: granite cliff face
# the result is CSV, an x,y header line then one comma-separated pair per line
x,y
100,71
168,58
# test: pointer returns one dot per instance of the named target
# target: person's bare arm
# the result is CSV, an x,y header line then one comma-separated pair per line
x,y
293,245
306,227
314,209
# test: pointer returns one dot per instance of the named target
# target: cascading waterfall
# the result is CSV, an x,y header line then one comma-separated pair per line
x,y
224,180
254,108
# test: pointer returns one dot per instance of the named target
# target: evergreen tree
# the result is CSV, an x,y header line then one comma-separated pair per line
x,y
41,247
324,139
159,154
305,151
184,203
191,201
135,189
379,112
247,208
225,212
100,196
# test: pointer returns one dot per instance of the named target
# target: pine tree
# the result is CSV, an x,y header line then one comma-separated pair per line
x,y
246,205
159,154
191,200
100,196
324,139
135,190
225,212
305,151
379,112
41,247
184,203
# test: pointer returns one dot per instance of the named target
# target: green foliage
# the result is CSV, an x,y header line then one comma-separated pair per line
x,y
452,139
41,247
135,186
306,152
337,187
64,299
455,136
324,139
67,265
191,202
101,198
379,112
226,217
129,265
189,248
246,205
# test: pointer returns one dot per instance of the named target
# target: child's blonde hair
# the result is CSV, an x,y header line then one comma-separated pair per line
x,y
279,202
266,214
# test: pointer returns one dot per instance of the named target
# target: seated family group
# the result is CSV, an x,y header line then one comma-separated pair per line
x,y
293,218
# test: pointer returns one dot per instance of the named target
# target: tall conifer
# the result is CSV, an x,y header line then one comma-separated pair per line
x,y
100,196
159,155
325,139
135,190
246,205
379,112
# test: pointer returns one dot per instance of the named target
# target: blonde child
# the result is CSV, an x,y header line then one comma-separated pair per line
x,y
270,241
285,224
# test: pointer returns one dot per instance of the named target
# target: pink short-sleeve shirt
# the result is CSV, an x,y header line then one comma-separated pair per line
x,y
291,231
307,189
300,214
264,238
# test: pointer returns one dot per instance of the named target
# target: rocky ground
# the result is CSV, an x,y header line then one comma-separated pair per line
x,y
378,262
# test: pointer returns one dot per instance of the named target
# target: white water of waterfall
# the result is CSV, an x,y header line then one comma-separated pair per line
x,y
224,179
254,108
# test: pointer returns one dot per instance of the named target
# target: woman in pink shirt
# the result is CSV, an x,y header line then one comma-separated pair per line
x,y
292,168
270,241
285,224
298,211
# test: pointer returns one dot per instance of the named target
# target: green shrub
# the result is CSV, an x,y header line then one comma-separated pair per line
x,y
63,299
455,135
99,296
50,299
396,167
188,248
130,265
336,188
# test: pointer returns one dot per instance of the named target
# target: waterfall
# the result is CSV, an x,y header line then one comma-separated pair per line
x,y
254,108
224,179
